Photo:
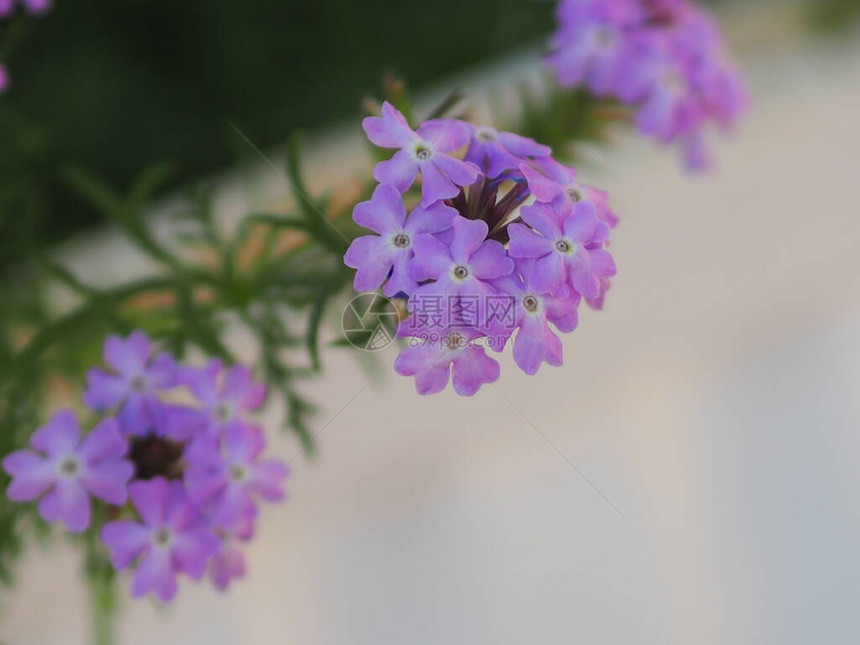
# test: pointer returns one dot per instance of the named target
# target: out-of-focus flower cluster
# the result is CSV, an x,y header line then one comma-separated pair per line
x,y
665,58
502,243
180,481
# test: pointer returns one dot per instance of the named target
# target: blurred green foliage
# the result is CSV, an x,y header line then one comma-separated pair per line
x,y
835,15
112,86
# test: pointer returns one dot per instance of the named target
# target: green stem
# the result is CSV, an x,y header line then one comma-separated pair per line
x,y
104,606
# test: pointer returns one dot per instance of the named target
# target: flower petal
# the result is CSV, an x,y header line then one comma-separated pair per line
x,y
150,499
446,135
69,503
473,368
109,481
384,213
104,442
32,475
59,437
154,574
125,540
400,171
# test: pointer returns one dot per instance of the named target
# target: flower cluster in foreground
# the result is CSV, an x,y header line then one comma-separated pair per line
x,y
502,242
181,481
665,58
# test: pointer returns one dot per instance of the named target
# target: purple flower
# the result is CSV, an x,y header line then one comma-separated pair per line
x,y
70,470
495,152
230,474
4,79
389,253
421,152
552,182
665,58
134,383
563,245
226,395
228,562
591,47
535,342
171,538
434,355
464,265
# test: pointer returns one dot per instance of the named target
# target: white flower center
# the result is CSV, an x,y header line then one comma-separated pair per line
x,y
454,341
138,384
604,37
564,246
161,537
69,466
238,473
487,135
423,151
460,272
530,303
402,241
575,194
223,412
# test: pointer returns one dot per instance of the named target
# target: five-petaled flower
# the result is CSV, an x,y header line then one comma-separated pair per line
x,y
64,470
425,152
171,538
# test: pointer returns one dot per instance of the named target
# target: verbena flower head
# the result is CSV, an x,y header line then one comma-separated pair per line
x,y
194,471
498,258
665,58
64,470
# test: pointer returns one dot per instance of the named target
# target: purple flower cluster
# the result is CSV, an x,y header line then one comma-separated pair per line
x,y
666,58
192,472
502,242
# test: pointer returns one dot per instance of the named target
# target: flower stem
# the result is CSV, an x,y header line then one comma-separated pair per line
x,y
104,608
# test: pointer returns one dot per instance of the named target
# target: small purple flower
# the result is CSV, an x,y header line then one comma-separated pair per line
x,y
591,47
535,342
495,152
229,473
563,245
424,152
552,182
4,79
463,266
228,563
70,470
435,355
134,383
226,395
171,538
377,257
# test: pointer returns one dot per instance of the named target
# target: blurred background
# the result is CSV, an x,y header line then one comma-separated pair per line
x,y
689,476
